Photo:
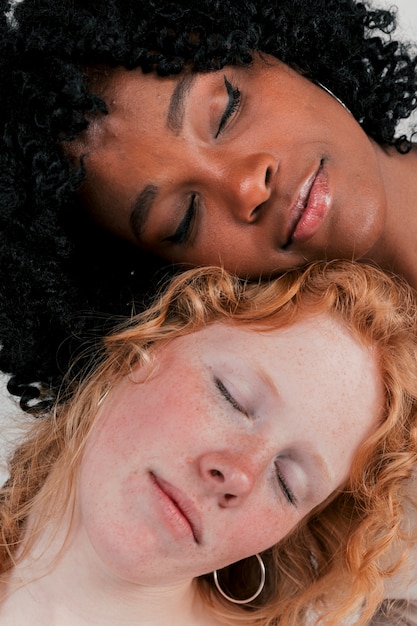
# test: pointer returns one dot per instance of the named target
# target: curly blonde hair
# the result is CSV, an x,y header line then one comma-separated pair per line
x,y
330,566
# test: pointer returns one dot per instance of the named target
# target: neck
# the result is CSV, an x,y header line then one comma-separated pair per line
x,y
48,601
396,249
66,588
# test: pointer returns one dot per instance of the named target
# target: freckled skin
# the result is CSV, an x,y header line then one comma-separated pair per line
x,y
300,387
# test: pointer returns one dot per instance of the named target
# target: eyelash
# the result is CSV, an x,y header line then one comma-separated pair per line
x,y
232,105
286,490
182,233
230,399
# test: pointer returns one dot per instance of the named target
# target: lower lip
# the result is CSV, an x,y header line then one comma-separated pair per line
x,y
176,521
318,205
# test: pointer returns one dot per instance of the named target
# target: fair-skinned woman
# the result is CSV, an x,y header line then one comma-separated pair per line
x,y
227,419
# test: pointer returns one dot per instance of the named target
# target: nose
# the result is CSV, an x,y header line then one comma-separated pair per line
x,y
228,477
249,182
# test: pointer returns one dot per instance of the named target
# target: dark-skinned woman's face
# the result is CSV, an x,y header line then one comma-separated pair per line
x,y
256,169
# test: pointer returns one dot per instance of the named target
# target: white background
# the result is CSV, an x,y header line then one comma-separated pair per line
x,y
407,16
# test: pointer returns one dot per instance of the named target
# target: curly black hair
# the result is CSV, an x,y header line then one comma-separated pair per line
x,y
62,279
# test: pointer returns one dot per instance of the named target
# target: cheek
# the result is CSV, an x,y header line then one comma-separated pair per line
x,y
155,413
264,528
242,258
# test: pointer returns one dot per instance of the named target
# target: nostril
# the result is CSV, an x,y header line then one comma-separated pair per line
x,y
229,496
216,473
268,175
257,212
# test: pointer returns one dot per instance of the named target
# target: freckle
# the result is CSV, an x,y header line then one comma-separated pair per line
x,y
188,460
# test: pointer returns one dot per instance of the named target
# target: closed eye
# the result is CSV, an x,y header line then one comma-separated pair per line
x,y
228,396
284,487
233,104
183,231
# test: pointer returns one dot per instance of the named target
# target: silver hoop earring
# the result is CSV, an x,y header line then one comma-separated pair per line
x,y
255,595
327,90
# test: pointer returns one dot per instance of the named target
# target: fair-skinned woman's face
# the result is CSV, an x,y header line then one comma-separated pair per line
x,y
256,169
219,450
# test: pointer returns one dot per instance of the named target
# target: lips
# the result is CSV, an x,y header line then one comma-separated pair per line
x,y
310,208
178,509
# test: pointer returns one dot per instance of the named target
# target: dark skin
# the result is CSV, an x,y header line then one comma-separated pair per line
x,y
256,169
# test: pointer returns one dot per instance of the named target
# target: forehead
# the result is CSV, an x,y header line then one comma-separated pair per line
x,y
128,92
310,335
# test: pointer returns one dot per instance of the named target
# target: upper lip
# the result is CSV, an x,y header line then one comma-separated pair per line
x,y
297,209
183,503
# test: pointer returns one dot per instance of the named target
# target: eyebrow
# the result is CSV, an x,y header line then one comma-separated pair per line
x,y
143,203
176,109
141,209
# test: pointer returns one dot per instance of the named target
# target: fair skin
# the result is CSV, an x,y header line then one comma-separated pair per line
x,y
232,429
256,169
